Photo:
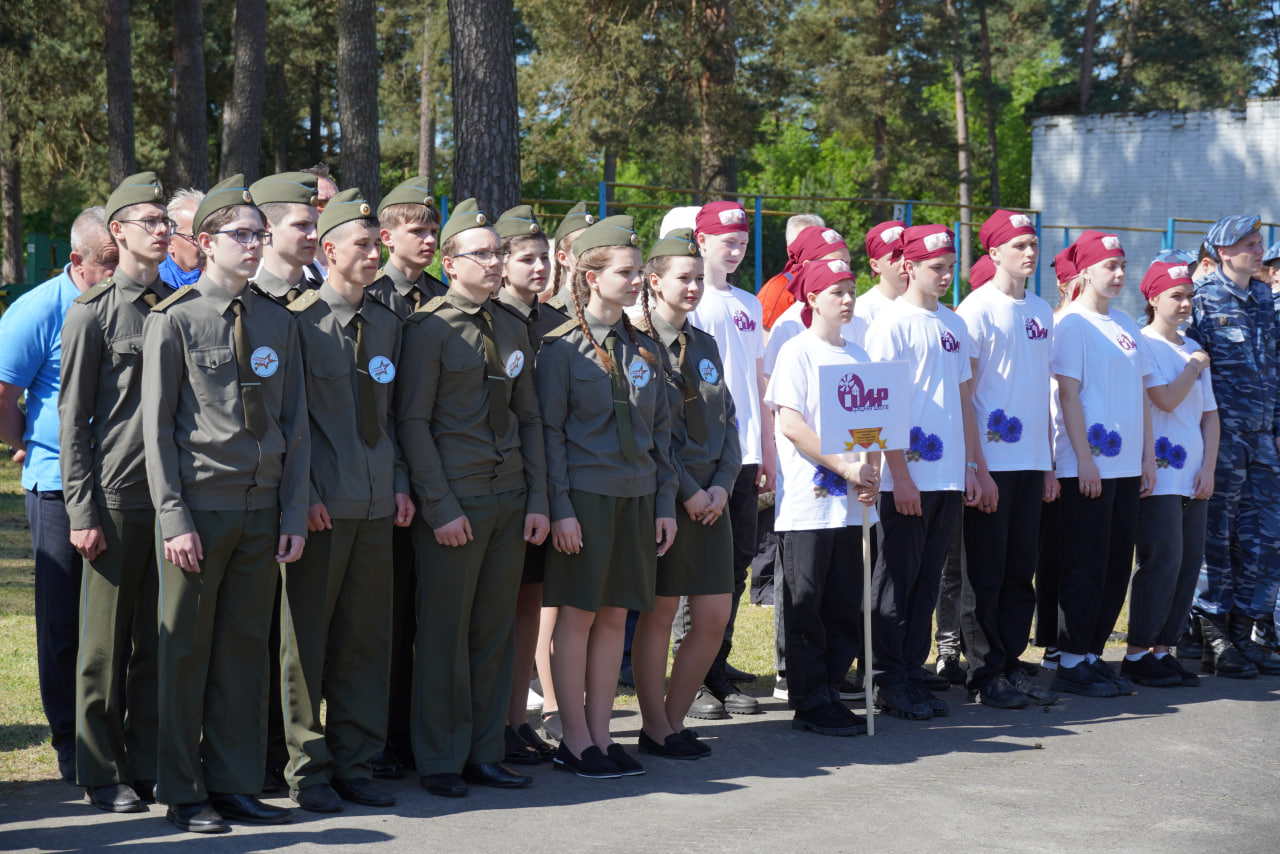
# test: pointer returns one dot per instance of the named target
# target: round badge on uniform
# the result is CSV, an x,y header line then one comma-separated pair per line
x,y
265,362
708,371
515,364
381,369
639,373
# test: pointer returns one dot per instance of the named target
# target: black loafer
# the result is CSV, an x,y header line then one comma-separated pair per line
x,y
146,790
592,764
517,752
530,737
625,764
386,767
249,809
318,798
363,792
674,746
446,785
196,818
691,736
495,775
115,797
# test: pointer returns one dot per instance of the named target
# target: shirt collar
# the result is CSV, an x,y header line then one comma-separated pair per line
x,y
401,282
131,289
528,312
667,333
600,330
221,298
461,303
341,309
270,283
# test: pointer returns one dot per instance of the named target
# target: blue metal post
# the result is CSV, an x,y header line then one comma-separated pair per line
x,y
1271,236
1039,255
907,215
444,217
1168,235
1066,237
604,200
759,239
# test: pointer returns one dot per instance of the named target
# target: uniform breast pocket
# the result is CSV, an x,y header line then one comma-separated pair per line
x,y
214,375
330,382
461,364
125,350
1229,335
591,384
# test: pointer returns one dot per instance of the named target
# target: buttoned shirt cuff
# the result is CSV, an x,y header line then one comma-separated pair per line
x,y
442,511
536,502
688,486
400,481
83,516
725,480
562,508
665,505
174,523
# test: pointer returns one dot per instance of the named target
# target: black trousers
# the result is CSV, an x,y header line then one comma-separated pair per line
x,y
997,597
59,570
1048,573
904,585
822,598
404,628
1170,550
948,635
1096,545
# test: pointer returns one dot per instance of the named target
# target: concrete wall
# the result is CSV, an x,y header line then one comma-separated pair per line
x,y
1137,170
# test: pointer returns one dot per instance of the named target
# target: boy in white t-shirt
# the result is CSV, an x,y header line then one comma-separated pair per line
x,y
923,486
1009,331
884,254
734,318
814,243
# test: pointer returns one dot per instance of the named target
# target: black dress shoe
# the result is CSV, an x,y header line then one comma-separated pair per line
x,y
318,798
116,797
196,818
386,767
494,774
363,792
446,785
249,809
517,751
146,790
530,737
67,769
736,675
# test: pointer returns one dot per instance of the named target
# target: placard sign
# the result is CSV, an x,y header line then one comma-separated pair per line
x,y
864,407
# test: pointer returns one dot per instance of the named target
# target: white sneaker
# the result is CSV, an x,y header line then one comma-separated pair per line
x,y
534,701
780,688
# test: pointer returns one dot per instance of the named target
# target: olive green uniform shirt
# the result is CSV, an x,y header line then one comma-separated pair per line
x,y
715,462
394,290
200,455
583,448
442,410
99,404
353,480
277,289
538,318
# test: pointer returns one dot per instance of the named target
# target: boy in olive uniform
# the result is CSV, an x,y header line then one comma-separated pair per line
x,y
109,507
471,433
290,203
227,448
337,611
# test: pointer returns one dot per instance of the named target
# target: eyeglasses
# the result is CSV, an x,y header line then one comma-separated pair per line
x,y
484,256
190,238
153,224
247,236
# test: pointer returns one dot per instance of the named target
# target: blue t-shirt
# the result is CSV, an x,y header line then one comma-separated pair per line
x,y
31,358
174,276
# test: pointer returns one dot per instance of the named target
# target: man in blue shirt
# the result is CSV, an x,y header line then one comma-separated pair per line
x,y
30,361
184,263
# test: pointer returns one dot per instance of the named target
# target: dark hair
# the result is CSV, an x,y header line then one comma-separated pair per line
x,y
513,244
216,220
393,215
565,245
1150,311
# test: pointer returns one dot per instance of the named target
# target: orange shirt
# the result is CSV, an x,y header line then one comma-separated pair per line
x,y
775,298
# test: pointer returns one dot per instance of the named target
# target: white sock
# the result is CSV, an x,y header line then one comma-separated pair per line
x,y
1069,659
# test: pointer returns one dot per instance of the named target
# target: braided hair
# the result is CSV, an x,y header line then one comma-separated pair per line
x,y
596,260
565,245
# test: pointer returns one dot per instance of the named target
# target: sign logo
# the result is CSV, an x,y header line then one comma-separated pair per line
x,y
1020,221
515,363
831,236
1035,331
381,369
733,216
934,242
1110,241
1178,272
949,342
837,266
265,362
1125,342
855,397
891,233
708,371
743,322
639,373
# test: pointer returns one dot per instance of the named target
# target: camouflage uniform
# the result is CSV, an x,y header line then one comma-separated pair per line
x,y
1241,333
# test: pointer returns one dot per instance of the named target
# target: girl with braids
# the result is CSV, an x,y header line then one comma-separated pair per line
x,y
612,488
706,456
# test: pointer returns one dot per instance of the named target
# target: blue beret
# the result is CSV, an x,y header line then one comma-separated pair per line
x,y
1230,230
1272,254
1176,256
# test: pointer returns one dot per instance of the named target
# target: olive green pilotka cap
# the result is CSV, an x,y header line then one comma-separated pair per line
x,y
610,231
342,208
576,219
518,222
230,192
135,190
293,188
679,243
465,216
411,192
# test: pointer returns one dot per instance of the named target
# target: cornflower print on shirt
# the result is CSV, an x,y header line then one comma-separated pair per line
x,y
1003,428
1169,455
827,483
1103,443
924,446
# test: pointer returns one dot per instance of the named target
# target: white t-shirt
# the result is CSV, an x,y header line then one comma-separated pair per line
x,y
1179,442
789,324
1106,354
869,305
734,318
1011,340
810,497
935,346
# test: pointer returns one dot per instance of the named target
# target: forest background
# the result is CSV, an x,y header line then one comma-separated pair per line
x,y
542,99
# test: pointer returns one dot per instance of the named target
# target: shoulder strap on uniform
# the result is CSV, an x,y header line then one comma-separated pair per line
x,y
96,291
304,301
561,330
173,297
558,304
432,306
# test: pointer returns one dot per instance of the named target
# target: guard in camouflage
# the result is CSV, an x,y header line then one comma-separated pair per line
x,y
1233,318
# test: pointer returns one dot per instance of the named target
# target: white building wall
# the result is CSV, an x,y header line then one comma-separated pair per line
x,y
1136,170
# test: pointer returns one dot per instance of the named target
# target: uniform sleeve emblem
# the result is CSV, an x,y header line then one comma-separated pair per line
x,y
265,362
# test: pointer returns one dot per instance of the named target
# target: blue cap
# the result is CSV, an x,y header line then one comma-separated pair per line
x,y
1272,254
1230,230
1177,256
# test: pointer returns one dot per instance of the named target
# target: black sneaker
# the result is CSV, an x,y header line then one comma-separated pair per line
x,y
1190,646
938,706
1188,679
1106,671
930,680
593,764
1024,683
826,720
1050,659
949,668
1083,680
1148,670
850,690
999,693
899,701
780,688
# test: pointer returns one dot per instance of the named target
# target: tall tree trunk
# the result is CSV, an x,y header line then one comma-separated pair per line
x,y
12,270
427,99
879,119
119,58
989,93
316,151
242,119
962,136
280,122
1133,9
1086,54
358,97
190,154
610,172
486,150
719,60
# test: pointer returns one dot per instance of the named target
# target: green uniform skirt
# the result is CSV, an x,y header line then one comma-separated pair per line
x,y
700,561
618,563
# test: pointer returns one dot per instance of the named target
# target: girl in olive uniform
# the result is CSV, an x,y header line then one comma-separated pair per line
x,y
706,456
611,485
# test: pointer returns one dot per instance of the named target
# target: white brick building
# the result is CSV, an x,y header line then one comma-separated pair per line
x,y
1139,169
